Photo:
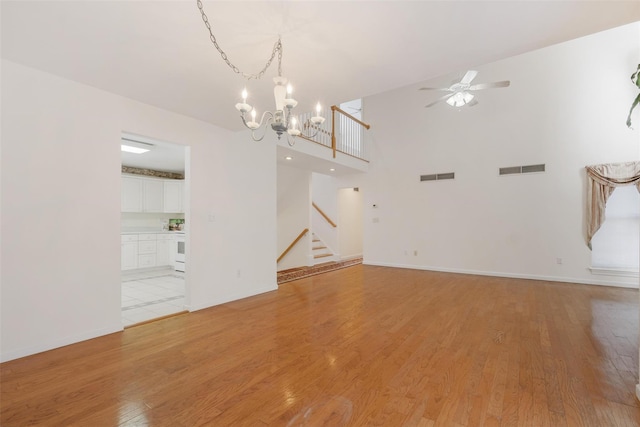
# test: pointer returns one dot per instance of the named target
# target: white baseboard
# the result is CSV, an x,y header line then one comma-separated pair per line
x,y
615,283
620,272
57,343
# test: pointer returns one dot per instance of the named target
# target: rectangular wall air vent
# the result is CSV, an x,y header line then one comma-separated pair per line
x,y
533,168
437,176
522,169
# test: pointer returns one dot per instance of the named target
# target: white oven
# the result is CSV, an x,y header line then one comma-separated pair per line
x,y
180,246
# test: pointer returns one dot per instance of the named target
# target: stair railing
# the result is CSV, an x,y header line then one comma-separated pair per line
x,y
297,239
345,133
349,139
324,215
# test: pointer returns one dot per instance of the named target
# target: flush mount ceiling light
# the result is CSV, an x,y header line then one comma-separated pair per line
x,y
134,150
135,147
288,158
281,120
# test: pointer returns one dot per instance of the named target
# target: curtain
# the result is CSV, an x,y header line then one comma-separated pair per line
x,y
602,180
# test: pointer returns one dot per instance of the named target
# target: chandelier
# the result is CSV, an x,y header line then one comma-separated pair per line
x,y
282,120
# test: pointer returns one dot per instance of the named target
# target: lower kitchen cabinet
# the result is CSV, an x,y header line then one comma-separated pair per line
x,y
128,252
146,260
163,249
146,250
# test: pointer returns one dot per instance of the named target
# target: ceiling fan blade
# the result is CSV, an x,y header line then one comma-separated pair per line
x,y
472,103
435,88
481,86
442,98
471,74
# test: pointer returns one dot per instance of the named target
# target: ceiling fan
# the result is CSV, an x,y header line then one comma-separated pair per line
x,y
459,93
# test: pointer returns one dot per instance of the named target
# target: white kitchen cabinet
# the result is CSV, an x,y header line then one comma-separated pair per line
x,y
131,194
128,252
146,260
164,244
173,196
147,250
152,195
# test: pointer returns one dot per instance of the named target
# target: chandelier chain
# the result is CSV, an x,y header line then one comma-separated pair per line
x,y
277,47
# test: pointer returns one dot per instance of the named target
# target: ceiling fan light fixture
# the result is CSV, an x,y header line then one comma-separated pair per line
x,y
460,99
459,93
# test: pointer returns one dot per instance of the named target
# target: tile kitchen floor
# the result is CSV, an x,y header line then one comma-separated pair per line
x,y
151,294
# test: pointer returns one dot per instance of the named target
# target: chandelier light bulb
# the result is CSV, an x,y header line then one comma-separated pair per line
x,y
293,131
243,107
317,119
289,90
252,124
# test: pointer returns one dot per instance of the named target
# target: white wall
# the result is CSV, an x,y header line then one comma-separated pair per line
x,y
294,204
566,107
324,193
60,279
350,223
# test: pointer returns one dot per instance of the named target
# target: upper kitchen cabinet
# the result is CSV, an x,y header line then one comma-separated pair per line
x,y
173,196
131,194
152,195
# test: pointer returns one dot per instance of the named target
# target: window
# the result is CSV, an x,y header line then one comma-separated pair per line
x,y
616,245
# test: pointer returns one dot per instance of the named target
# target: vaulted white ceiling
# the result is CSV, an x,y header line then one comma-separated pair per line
x,y
159,52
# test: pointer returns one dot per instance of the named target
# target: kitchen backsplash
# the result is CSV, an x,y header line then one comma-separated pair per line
x,y
130,221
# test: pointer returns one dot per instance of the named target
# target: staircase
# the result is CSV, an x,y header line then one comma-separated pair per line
x,y
321,253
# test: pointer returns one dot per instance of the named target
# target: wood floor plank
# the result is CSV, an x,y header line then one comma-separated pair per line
x,y
373,345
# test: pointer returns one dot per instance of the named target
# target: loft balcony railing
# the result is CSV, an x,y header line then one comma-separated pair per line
x,y
343,134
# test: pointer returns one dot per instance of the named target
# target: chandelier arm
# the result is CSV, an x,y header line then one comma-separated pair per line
x,y
309,125
277,47
269,118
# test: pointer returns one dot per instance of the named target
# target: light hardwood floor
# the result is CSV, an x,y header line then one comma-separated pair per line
x,y
362,346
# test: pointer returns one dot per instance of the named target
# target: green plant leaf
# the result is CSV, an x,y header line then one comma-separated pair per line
x,y
635,77
635,103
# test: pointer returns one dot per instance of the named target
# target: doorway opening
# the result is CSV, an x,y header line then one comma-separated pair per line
x,y
153,229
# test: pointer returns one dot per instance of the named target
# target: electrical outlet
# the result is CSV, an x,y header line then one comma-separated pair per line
x,y
559,261
415,253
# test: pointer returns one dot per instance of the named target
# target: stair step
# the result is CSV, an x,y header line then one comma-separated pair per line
x,y
319,247
322,256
